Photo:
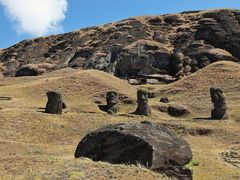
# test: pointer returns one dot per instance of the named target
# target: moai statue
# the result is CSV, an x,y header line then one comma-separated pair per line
x,y
112,102
55,103
143,107
177,61
220,108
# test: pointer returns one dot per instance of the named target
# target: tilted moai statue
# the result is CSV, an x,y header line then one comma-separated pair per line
x,y
112,102
55,103
220,108
143,107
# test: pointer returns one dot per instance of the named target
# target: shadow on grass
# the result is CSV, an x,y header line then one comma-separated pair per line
x,y
203,118
41,110
2,98
102,107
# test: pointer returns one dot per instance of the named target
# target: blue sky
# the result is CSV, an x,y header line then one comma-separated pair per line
x,y
81,13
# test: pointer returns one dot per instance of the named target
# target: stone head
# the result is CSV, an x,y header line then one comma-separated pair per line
x,y
142,97
112,97
216,95
53,95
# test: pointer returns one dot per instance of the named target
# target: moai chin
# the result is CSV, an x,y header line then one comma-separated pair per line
x,y
112,102
54,104
143,107
220,108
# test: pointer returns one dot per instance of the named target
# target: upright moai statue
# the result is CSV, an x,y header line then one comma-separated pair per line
x,y
177,62
143,107
112,102
55,103
220,108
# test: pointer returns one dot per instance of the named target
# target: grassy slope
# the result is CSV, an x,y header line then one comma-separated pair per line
x,y
35,144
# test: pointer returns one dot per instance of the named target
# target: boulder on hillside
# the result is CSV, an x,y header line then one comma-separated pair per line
x,y
177,111
145,143
172,109
164,100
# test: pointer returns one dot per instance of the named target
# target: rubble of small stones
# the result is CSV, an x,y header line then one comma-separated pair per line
x,y
232,155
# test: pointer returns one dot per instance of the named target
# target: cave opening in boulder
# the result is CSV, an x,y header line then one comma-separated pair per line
x,y
27,72
116,148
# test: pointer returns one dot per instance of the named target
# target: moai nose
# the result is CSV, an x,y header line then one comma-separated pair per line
x,y
144,97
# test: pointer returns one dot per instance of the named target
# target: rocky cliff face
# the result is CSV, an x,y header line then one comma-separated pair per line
x,y
177,45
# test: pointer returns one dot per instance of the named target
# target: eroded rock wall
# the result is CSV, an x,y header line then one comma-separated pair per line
x,y
135,46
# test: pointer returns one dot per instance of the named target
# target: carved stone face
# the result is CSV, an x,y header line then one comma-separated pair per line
x,y
53,95
220,108
143,108
54,104
142,97
112,97
217,95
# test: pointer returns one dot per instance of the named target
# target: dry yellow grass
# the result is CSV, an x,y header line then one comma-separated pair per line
x,y
35,145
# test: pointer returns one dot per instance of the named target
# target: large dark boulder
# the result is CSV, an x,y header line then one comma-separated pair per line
x,y
164,100
145,143
177,111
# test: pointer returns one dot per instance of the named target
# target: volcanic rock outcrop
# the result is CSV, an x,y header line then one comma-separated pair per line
x,y
172,44
145,143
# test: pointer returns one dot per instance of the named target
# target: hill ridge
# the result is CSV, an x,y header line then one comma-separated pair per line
x,y
173,44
